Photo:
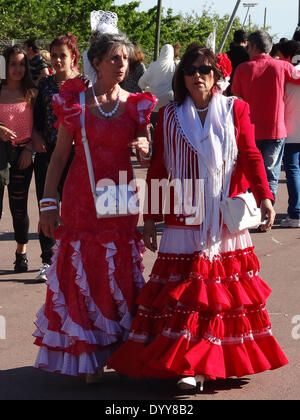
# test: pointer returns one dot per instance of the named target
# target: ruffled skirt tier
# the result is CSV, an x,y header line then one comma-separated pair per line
x,y
201,316
91,292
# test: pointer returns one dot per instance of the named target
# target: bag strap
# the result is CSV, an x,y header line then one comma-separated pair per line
x,y
86,145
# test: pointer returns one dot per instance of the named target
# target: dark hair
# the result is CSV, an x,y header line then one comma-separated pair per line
x,y
138,57
94,36
189,57
283,40
274,50
70,41
193,45
240,36
262,41
27,84
105,42
34,44
290,49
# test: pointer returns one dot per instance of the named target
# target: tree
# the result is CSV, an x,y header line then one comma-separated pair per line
x,y
46,19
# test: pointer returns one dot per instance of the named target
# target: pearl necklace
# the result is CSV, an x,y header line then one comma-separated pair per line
x,y
107,114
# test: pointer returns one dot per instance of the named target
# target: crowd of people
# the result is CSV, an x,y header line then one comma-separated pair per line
x,y
202,315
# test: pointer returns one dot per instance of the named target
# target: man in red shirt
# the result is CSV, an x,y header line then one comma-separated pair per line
x,y
261,82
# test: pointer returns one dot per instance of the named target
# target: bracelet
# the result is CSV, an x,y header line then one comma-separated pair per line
x,y
48,208
46,205
48,200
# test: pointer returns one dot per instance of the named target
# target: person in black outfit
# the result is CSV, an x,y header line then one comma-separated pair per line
x,y
17,96
38,66
238,53
64,58
136,70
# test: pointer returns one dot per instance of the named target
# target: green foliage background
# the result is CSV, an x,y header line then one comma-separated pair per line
x,y
46,19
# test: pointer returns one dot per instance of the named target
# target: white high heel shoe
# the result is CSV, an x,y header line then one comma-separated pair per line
x,y
200,379
94,379
191,382
187,383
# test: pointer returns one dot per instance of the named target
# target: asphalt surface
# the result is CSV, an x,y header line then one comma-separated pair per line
x,y
21,298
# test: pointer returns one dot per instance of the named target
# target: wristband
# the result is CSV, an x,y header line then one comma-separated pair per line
x,y
48,200
48,204
48,208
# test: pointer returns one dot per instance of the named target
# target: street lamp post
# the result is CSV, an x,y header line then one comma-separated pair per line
x,y
265,19
157,32
229,25
298,26
248,5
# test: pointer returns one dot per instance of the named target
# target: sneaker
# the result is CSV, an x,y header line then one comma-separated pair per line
x,y
21,263
290,223
42,277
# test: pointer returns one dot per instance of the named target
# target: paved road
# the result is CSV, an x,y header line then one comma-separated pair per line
x,y
20,299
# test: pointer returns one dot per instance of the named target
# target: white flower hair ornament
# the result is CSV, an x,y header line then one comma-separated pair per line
x,y
104,22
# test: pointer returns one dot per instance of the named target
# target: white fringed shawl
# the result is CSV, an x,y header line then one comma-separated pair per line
x,y
206,152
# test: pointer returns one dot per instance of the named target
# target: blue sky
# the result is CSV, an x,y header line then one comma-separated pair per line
x,y
282,15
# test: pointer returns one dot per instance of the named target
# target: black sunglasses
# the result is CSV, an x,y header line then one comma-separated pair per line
x,y
191,70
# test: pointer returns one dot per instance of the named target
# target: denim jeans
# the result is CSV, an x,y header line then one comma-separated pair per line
x,y
272,153
291,160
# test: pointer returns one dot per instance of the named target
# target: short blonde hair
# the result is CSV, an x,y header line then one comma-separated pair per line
x,y
46,55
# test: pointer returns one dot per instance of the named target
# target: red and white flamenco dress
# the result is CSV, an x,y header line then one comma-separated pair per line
x,y
96,271
201,314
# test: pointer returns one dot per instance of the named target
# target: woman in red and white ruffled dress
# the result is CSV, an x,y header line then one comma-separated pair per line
x,y
96,271
203,313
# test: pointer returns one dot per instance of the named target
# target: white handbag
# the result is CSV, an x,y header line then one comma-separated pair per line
x,y
110,200
241,212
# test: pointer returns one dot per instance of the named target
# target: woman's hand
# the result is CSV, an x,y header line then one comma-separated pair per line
x,y
38,143
48,222
25,159
7,135
149,235
141,145
267,212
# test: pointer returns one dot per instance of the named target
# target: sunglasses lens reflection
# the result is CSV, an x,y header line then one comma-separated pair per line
x,y
191,70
